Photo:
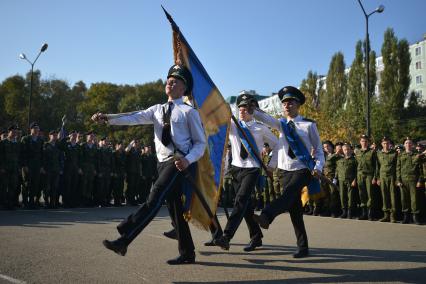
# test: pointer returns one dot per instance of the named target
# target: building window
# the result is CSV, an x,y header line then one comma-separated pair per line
x,y
419,79
418,65
418,50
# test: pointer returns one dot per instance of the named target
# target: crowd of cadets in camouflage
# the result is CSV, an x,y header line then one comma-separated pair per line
x,y
385,184
369,183
70,173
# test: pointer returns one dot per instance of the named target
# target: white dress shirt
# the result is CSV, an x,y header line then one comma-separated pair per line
x,y
186,129
308,133
261,134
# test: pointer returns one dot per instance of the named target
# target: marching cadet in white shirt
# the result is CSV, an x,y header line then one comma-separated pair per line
x,y
177,130
245,171
298,136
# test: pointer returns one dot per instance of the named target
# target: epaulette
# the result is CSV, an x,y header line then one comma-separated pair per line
x,y
185,103
307,119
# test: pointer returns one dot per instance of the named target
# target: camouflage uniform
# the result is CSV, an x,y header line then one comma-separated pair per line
x,y
118,178
386,168
89,162
408,173
9,171
346,174
32,158
366,171
105,167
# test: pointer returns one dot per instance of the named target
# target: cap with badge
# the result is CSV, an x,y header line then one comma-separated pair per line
x,y
34,125
245,99
328,142
363,136
12,127
386,139
182,73
347,144
291,93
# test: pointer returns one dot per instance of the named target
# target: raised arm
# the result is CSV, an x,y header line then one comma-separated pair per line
x,y
128,118
267,119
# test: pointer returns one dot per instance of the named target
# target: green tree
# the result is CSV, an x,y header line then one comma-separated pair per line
x,y
356,100
336,86
395,81
15,101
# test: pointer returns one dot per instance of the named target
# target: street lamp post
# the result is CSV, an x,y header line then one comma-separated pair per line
x,y
24,57
379,9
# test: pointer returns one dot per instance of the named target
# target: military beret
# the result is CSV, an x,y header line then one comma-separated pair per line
x,y
182,73
54,131
10,128
265,145
73,132
90,132
385,138
103,138
290,92
34,125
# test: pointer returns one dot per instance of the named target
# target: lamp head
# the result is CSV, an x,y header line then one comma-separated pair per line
x,y
22,56
380,9
44,47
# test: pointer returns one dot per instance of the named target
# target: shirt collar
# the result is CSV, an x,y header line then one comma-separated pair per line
x,y
178,101
250,122
296,119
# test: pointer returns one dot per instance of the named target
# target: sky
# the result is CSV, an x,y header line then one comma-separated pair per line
x,y
243,44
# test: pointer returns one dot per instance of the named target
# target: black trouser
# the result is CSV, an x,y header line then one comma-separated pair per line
x,y
52,185
32,183
72,191
117,188
290,201
244,181
168,186
103,195
216,232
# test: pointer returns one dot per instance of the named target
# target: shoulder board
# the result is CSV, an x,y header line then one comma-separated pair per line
x,y
307,119
185,103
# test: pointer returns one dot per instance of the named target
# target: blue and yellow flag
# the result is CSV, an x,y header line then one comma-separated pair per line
x,y
216,116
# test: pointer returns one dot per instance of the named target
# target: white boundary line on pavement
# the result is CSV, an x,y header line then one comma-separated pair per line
x,y
11,280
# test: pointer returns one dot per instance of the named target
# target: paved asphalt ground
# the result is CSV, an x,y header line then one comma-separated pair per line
x,y
64,246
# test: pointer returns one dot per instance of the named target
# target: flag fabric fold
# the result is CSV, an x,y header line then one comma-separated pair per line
x,y
216,116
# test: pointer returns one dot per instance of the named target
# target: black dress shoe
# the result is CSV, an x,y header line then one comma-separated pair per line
x,y
261,220
182,260
301,253
222,242
253,245
210,243
171,234
116,246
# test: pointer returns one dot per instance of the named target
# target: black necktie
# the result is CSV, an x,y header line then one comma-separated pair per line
x,y
243,152
292,130
166,136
